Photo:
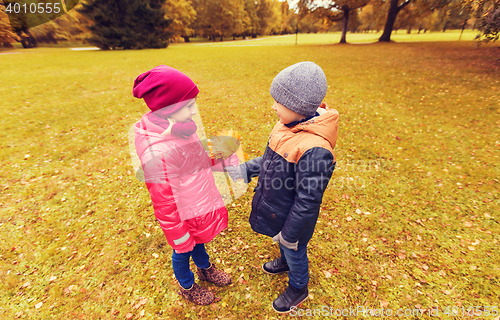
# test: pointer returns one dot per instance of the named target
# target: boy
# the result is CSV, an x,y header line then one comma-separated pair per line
x,y
293,174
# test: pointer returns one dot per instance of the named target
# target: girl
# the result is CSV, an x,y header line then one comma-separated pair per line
x,y
178,175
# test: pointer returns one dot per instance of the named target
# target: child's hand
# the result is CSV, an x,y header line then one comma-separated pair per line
x,y
234,173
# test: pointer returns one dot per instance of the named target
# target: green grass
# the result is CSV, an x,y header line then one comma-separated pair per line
x,y
410,219
353,38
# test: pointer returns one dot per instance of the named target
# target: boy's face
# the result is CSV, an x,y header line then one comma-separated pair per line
x,y
286,115
186,113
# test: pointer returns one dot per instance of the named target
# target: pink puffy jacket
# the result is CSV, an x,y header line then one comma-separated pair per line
x,y
178,174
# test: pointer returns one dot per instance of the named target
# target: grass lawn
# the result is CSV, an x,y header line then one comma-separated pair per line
x,y
408,221
353,38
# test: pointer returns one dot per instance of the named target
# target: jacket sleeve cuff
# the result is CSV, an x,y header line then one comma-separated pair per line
x,y
184,243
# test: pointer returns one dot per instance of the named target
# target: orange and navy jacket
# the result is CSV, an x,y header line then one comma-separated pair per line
x,y
293,174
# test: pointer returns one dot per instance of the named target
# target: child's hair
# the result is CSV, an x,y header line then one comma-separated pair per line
x,y
300,87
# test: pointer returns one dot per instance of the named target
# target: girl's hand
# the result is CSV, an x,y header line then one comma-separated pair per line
x,y
171,123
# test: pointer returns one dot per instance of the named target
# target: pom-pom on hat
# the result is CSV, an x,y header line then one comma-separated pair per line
x,y
164,87
300,87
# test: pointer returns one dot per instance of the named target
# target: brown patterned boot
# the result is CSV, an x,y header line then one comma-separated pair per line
x,y
217,277
197,294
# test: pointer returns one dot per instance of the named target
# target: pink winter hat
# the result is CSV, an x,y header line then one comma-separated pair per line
x,y
163,87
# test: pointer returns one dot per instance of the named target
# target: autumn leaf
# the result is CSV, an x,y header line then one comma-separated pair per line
x,y
384,303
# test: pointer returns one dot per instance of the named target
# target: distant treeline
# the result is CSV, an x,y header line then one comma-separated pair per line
x,y
127,24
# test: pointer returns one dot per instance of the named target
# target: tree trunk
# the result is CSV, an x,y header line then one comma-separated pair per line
x,y
27,40
391,18
408,31
345,21
186,38
445,26
463,27
221,39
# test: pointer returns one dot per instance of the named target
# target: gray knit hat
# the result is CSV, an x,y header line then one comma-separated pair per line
x,y
300,87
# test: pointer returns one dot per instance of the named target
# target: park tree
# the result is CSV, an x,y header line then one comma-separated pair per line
x,y
269,13
336,10
487,13
183,17
7,37
372,17
127,24
288,19
395,6
23,22
220,18
72,26
419,7
252,23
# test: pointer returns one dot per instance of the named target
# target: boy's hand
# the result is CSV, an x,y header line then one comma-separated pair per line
x,y
234,172
286,244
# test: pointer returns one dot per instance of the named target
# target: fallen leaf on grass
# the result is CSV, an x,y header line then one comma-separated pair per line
x,y
38,305
52,278
401,256
468,224
18,314
384,303
327,274
129,316
70,289
141,313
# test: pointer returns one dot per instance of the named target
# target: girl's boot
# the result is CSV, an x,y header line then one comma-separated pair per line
x,y
211,274
197,294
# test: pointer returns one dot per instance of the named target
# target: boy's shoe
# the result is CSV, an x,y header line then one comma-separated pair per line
x,y
211,274
292,297
197,294
276,266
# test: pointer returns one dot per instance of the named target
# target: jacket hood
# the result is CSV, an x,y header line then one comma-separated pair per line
x,y
325,125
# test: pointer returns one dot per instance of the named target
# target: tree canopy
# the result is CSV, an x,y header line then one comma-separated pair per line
x,y
487,13
127,24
